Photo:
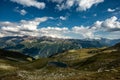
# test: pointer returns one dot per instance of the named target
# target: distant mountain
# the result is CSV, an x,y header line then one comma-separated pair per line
x,y
109,42
48,46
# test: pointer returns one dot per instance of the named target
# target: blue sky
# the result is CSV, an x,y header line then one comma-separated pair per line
x,y
60,18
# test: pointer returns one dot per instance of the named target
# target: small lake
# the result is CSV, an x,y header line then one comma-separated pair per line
x,y
58,64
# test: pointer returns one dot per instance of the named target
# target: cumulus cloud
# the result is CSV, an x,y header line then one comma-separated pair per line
x,y
110,10
82,5
29,3
32,25
22,11
63,18
109,28
55,32
22,28
67,4
83,31
110,24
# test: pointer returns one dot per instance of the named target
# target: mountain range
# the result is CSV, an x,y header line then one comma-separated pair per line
x,y
47,46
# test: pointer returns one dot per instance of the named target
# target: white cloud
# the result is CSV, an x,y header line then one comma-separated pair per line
x,y
57,1
82,5
59,24
109,28
23,12
29,3
22,28
110,10
63,18
54,32
33,24
83,31
110,24
67,4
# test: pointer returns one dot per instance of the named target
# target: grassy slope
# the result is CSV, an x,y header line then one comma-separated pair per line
x,y
84,64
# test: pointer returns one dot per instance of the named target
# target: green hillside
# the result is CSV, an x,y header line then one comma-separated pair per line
x,y
82,64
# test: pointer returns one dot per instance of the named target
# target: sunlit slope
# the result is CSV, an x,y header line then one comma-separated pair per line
x,y
82,64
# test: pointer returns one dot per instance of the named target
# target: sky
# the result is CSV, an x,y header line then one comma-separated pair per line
x,y
77,19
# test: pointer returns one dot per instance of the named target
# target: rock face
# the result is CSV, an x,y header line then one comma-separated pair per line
x,y
45,46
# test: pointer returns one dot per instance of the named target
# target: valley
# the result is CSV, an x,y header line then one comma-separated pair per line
x,y
81,64
39,47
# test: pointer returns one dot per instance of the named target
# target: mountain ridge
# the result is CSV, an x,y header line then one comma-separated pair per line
x,y
48,46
